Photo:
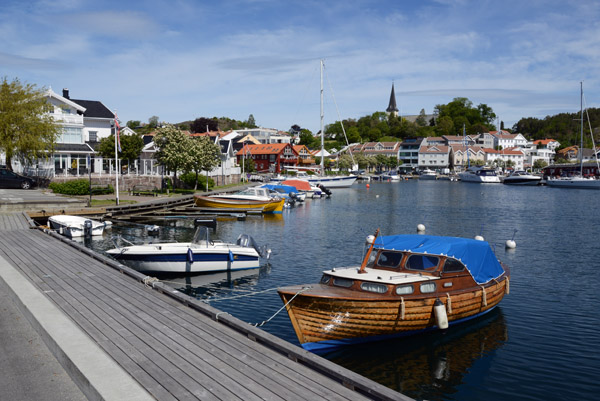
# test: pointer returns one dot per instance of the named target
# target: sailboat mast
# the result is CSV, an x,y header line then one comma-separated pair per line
x,y
581,148
322,133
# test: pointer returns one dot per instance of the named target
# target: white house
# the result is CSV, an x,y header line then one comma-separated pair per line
x,y
434,157
506,140
503,156
83,123
266,135
466,155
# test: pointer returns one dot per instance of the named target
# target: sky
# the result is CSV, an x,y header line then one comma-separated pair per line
x,y
184,59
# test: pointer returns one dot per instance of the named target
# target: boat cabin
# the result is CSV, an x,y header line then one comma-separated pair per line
x,y
395,272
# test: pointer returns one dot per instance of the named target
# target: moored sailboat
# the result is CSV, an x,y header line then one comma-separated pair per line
x,y
577,180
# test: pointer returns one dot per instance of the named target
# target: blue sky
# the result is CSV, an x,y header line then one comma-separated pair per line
x,y
183,59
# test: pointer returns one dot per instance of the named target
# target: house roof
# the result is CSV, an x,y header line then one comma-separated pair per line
x,y
503,151
73,147
435,149
265,148
94,109
544,141
503,134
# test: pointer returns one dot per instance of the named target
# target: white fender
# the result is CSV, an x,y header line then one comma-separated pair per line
x,y
441,318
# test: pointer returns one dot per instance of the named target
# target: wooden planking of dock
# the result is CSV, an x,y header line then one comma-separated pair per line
x,y
174,346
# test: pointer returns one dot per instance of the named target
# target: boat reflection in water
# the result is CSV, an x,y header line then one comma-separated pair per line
x,y
204,286
430,366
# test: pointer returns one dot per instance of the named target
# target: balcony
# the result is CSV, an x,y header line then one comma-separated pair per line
x,y
67,118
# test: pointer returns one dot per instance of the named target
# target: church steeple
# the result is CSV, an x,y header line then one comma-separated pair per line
x,y
392,108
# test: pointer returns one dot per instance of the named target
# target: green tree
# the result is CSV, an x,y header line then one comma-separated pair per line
x,y
251,122
131,147
133,124
307,139
173,146
27,131
444,126
345,162
153,122
204,156
539,164
421,121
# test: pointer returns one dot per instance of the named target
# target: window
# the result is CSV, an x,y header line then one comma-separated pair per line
x,y
342,282
389,259
71,135
453,265
374,287
427,288
421,262
325,279
404,289
93,136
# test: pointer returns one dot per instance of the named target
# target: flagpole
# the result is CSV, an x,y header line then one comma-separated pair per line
x,y
116,162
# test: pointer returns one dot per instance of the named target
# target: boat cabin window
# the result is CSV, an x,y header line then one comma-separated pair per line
x,y
374,287
325,279
342,282
421,262
427,288
389,259
453,265
404,289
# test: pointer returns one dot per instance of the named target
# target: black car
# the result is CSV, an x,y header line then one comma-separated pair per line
x,y
9,179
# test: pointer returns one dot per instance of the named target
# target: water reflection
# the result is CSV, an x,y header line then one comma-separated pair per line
x,y
207,286
430,366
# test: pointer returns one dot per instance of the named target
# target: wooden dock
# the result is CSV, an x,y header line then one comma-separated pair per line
x,y
174,346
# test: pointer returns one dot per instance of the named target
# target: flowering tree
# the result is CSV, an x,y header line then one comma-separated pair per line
x,y
173,148
204,155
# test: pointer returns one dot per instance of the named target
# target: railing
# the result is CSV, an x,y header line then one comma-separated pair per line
x,y
67,118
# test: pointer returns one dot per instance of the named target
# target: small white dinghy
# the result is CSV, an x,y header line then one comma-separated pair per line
x,y
76,226
201,255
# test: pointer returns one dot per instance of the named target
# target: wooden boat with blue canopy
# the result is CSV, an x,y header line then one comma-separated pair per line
x,y
406,284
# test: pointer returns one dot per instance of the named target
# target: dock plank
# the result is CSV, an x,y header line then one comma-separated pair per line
x,y
172,350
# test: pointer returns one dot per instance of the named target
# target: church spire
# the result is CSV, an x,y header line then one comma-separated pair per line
x,y
392,108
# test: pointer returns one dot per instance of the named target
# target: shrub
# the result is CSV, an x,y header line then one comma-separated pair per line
x,y
189,179
74,187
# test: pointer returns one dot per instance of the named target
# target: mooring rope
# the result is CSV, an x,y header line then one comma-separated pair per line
x,y
280,309
239,296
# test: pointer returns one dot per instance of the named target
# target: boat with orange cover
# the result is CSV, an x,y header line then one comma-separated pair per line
x,y
406,284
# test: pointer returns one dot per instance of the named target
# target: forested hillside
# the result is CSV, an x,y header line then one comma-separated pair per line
x,y
564,127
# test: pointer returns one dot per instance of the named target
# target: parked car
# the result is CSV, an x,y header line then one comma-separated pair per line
x,y
9,179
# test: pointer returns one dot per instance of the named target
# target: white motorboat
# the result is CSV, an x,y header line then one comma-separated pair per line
x,y
521,177
428,174
480,175
333,181
201,255
76,226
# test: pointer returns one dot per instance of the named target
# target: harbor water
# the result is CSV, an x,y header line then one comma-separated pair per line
x,y
541,343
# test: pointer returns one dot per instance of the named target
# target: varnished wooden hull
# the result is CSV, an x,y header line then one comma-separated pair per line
x,y
325,316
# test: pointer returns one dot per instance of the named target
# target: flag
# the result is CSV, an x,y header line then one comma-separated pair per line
x,y
118,127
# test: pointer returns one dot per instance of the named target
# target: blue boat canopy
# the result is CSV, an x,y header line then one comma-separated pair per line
x,y
476,255
280,188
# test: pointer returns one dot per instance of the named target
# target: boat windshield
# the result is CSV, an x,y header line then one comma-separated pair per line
x,y
201,236
389,259
422,262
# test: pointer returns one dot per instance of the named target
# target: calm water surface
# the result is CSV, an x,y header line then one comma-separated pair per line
x,y
541,343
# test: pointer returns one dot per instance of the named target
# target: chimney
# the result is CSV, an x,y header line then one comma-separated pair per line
x,y
66,93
